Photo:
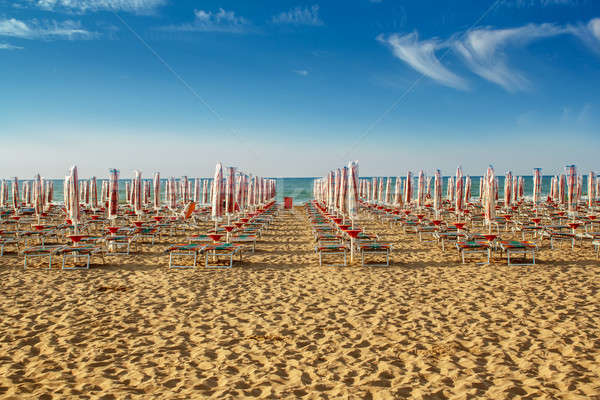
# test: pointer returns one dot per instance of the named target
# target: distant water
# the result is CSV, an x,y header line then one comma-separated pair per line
x,y
300,189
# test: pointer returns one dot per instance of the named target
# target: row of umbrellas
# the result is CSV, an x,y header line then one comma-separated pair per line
x,y
340,190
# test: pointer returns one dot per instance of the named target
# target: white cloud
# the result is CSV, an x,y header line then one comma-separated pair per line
x,y
420,55
82,6
539,3
588,33
301,72
6,46
220,21
483,52
299,16
35,29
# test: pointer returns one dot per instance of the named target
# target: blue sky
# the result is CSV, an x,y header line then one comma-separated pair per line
x,y
288,88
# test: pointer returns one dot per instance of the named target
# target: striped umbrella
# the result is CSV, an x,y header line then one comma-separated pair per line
x,y
344,191
66,193
428,181
579,188
74,211
353,190
185,190
388,190
421,189
507,189
481,188
3,193
591,194
398,192
437,192
94,193
15,194
490,198
458,200
137,193
197,190
217,194
172,199
156,190
562,189
113,194
537,185
230,191
571,172
38,197
408,189
467,190
450,190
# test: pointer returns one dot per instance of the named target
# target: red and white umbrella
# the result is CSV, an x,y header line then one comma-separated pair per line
x,y
537,185
408,189
74,211
156,190
38,196
507,189
217,194
421,189
197,190
15,194
388,190
66,193
3,193
353,190
490,198
398,192
437,192
113,194
591,186
459,195
571,171
94,192
185,190
230,191
137,193
467,190
344,191
450,190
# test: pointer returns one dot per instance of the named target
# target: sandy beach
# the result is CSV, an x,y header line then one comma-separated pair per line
x,y
281,327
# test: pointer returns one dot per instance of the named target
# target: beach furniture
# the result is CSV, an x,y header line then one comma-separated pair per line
x,y
219,250
511,247
244,240
42,252
327,250
184,250
473,247
368,249
596,244
8,238
78,252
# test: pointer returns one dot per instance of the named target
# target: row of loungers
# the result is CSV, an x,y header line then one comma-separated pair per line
x,y
243,233
458,235
335,239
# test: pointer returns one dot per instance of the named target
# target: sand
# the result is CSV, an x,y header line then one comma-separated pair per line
x,y
282,327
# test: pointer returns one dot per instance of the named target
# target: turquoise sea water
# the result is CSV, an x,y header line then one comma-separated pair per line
x,y
300,189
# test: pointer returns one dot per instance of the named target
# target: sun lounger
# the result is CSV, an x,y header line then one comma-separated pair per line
x,y
40,252
376,248
190,249
518,247
474,246
78,252
218,250
332,249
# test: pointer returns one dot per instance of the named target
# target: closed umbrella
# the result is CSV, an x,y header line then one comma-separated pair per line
x,y
94,193
507,189
458,201
74,211
537,186
113,194
571,172
437,193
230,193
490,198
156,190
217,195
467,190
352,199
197,190
408,189
398,192
388,190
591,187
15,194
421,189
137,193
38,197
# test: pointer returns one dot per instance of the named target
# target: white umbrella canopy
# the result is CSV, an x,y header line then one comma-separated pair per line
x,y
94,193
74,210
537,185
459,195
156,191
437,192
353,190
398,192
38,197
490,198
591,187
230,191
388,190
137,192
467,190
217,195
571,172
197,190
113,194
408,189
507,189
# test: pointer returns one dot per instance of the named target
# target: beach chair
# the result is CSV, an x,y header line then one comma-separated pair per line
x,y
332,250
8,239
184,250
244,240
518,247
79,252
556,236
596,244
376,249
473,247
218,250
42,252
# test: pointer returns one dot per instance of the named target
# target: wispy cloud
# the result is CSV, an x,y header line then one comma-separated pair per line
x,y
588,33
483,52
421,56
301,72
539,3
219,21
299,16
6,46
82,6
35,29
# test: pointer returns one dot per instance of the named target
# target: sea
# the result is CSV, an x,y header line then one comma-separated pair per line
x,y
301,189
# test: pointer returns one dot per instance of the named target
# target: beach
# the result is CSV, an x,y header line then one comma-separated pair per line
x,y
281,326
